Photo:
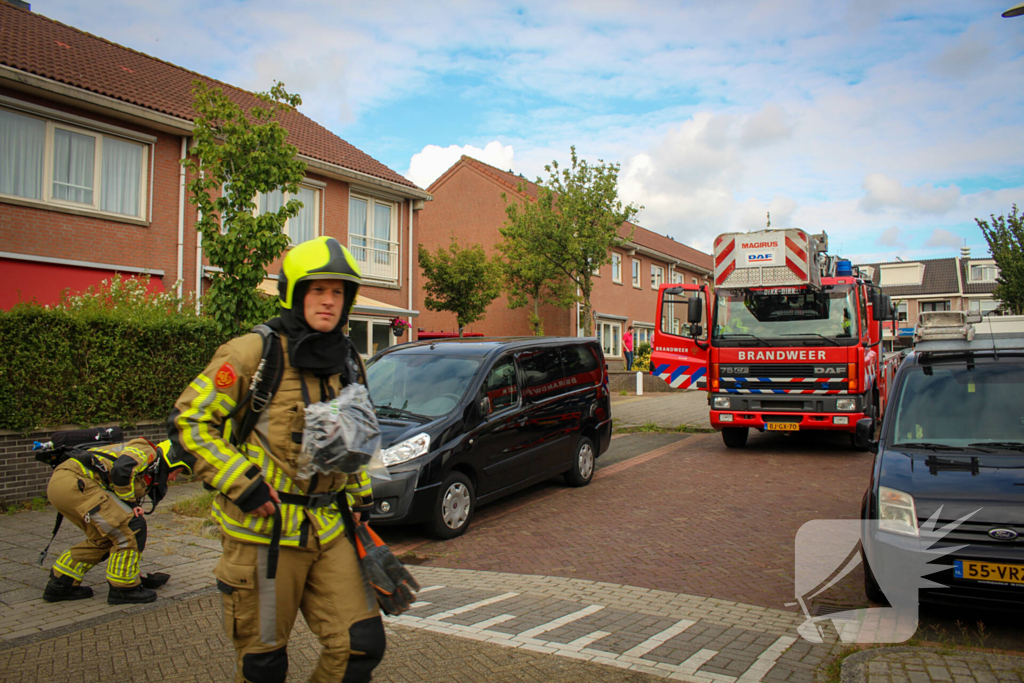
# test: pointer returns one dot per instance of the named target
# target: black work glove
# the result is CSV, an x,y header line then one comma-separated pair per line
x,y
392,583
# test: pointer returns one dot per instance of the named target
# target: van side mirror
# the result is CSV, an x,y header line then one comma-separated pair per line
x,y
693,310
485,406
866,433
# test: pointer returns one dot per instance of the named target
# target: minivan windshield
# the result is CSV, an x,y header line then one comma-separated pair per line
x,y
786,315
959,405
419,384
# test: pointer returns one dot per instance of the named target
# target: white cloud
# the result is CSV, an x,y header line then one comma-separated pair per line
x,y
766,126
428,165
944,238
888,193
891,237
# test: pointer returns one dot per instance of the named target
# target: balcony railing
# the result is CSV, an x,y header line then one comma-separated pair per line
x,y
378,259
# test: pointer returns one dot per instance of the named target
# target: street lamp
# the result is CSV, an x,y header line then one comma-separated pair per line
x,y
1015,11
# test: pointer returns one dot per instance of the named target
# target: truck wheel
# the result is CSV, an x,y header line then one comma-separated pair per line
x,y
735,437
872,412
455,505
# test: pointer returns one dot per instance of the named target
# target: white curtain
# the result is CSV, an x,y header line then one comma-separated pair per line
x,y
357,227
22,141
303,227
122,174
74,158
382,231
271,202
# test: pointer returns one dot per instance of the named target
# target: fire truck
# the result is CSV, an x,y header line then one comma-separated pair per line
x,y
789,339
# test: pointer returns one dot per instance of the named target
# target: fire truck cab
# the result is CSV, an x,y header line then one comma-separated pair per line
x,y
789,340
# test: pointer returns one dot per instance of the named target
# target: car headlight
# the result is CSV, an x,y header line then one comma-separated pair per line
x,y
721,402
846,404
406,450
896,512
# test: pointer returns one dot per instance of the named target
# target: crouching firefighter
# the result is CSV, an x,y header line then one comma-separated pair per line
x,y
100,489
239,425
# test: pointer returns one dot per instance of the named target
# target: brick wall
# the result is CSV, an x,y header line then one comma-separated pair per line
x,y
22,477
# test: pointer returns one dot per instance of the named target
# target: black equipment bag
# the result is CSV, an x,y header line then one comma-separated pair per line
x,y
60,447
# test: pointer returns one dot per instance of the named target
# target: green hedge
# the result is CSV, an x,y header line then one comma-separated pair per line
x,y
91,366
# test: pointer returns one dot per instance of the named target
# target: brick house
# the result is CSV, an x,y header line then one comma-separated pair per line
x,y
91,138
467,202
944,284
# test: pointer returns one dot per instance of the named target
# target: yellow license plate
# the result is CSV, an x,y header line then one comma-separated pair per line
x,y
782,426
988,571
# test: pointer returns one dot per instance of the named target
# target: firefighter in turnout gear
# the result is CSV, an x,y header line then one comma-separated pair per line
x,y
101,490
284,539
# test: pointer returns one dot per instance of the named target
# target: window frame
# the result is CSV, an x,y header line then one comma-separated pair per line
x,y
394,233
983,267
637,270
657,276
616,336
371,321
617,266
47,199
921,306
305,183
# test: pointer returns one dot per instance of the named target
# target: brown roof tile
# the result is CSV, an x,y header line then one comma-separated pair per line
x,y
35,44
939,278
641,236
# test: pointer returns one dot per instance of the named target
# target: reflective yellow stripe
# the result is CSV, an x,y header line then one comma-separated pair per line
x,y
194,424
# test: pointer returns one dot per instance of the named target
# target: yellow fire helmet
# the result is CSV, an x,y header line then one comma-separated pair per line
x,y
322,258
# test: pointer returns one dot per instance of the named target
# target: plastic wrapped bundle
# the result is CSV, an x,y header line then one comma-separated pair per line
x,y
341,435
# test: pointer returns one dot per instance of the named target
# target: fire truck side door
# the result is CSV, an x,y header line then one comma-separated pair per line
x,y
677,357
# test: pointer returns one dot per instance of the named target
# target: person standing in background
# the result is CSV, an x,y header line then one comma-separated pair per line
x,y
627,347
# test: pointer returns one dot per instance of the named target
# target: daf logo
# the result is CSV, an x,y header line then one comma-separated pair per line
x,y
829,371
1003,534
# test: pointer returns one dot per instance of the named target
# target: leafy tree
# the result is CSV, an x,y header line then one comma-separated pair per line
x,y
462,281
577,221
1005,237
531,277
237,154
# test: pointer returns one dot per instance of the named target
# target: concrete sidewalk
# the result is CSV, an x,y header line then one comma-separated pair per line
x,y
667,410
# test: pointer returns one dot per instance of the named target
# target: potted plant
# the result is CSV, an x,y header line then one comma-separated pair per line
x,y
398,326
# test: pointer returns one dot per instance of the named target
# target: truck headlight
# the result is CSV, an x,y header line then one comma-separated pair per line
x,y
846,404
406,450
896,512
721,402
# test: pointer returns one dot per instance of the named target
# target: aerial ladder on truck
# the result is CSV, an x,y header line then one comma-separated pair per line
x,y
788,339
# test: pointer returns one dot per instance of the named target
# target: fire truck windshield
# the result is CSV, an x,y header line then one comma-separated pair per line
x,y
770,314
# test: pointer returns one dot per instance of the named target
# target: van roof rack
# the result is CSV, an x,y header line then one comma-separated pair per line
x,y
954,332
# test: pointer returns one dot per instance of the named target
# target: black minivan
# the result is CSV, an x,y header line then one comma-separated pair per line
x,y
467,421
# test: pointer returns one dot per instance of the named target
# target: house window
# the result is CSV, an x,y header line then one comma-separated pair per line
x,y
984,306
61,165
657,276
636,273
609,334
934,306
694,280
617,268
984,273
642,335
303,226
901,312
678,278
370,335
373,236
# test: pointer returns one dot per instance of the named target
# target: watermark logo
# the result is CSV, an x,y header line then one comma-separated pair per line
x,y
827,550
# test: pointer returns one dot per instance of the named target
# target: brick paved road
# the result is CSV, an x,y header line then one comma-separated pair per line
x,y
691,517
667,410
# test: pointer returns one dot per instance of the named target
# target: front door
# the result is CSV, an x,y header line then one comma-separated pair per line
x,y
677,355
500,443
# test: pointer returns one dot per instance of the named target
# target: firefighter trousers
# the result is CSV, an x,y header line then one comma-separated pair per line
x,y
111,529
325,582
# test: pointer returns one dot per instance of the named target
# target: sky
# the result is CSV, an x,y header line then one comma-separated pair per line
x,y
889,124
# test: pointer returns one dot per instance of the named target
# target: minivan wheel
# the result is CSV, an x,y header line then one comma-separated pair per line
x,y
582,470
735,437
456,503
871,588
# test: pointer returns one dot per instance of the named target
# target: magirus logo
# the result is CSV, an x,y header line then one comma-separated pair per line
x,y
827,550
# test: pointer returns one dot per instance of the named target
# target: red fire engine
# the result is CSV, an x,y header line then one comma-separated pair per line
x,y
788,340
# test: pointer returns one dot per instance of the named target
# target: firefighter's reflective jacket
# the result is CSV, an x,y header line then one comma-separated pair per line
x,y
199,427
120,467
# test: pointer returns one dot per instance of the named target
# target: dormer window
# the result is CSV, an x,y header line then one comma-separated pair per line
x,y
984,272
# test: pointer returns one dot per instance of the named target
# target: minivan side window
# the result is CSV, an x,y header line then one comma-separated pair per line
x,y
543,370
500,387
580,365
